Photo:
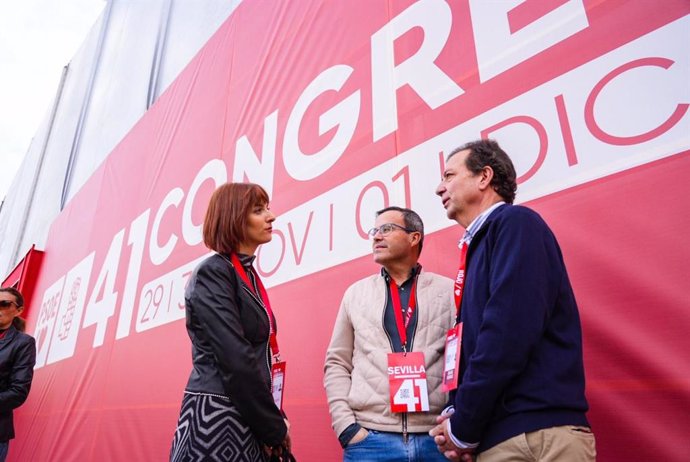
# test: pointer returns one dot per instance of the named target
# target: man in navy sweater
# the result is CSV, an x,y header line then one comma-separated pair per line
x,y
520,388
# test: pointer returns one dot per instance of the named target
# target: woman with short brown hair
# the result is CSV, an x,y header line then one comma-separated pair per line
x,y
228,411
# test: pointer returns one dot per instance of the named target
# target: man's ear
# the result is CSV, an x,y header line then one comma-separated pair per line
x,y
416,237
485,177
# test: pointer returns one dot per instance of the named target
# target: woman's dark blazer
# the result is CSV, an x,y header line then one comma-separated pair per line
x,y
17,359
229,329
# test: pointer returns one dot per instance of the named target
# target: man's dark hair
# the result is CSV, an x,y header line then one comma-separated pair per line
x,y
487,153
412,221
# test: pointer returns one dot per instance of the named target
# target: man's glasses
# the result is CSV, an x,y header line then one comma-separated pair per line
x,y
7,303
386,229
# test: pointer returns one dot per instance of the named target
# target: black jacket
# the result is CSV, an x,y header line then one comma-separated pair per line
x,y
17,359
229,330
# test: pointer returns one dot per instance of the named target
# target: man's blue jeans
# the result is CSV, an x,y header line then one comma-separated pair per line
x,y
389,447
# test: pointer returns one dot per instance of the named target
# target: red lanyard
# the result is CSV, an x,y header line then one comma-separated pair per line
x,y
460,279
397,310
263,295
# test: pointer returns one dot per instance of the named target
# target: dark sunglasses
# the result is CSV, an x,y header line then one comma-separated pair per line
x,y
7,303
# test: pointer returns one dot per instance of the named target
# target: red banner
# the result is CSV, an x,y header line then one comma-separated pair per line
x,y
342,108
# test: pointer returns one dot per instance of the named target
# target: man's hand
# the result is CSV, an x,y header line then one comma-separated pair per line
x,y
359,436
445,444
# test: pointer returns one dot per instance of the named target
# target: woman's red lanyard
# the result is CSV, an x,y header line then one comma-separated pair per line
x,y
460,280
263,296
397,309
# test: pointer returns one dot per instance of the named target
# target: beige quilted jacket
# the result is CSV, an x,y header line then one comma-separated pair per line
x,y
355,378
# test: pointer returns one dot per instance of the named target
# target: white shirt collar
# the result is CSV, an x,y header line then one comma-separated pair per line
x,y
477,223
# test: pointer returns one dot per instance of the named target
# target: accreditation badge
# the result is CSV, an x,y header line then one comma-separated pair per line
x,y
451,363
278,382
407,382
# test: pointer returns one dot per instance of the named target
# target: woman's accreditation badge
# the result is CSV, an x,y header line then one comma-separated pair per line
x,y
278,382
407,381
451,363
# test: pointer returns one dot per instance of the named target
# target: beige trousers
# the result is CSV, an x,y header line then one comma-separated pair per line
x,y
556,444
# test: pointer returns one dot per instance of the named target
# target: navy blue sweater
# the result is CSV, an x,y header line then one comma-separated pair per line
x,y
521,367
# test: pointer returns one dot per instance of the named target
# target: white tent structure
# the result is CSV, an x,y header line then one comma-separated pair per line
x,y
131,55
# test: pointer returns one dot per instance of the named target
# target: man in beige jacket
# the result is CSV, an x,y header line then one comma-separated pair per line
x,y
385,360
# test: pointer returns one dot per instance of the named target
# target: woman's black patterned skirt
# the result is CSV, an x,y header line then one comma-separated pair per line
x,y
210,428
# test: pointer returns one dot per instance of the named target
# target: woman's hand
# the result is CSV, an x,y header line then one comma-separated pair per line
x,y
287,442
284,446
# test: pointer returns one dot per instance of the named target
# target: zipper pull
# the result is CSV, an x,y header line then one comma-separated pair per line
x,y
404,427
